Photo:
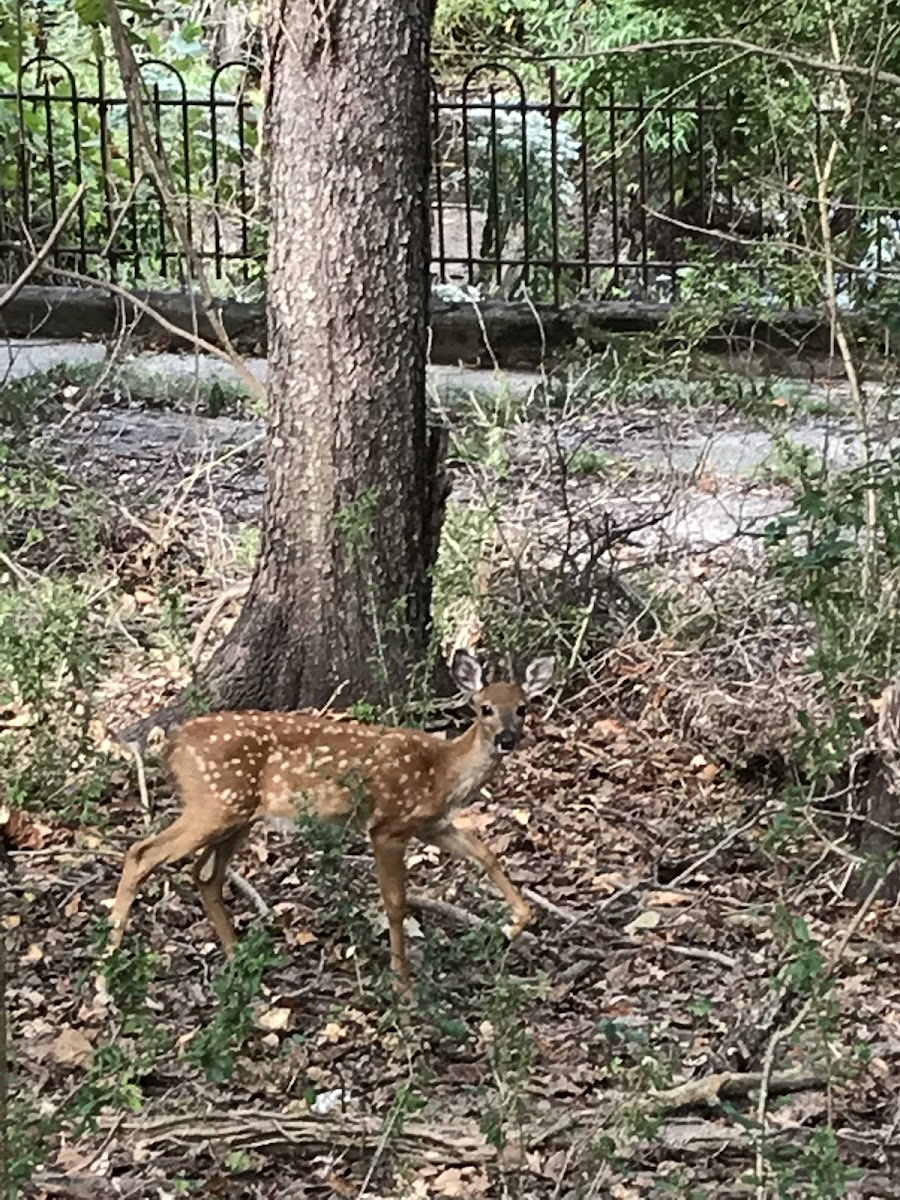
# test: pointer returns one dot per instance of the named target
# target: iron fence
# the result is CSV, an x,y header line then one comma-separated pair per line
x,y
565,195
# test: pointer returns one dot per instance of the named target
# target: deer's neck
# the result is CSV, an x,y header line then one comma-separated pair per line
x,y
471,760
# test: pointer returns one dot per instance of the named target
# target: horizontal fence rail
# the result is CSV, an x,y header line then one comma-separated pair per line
x,y
554,196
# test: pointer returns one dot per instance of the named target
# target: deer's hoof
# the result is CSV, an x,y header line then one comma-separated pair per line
x,y
518,925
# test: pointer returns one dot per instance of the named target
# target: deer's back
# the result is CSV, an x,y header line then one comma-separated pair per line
x,y
249,764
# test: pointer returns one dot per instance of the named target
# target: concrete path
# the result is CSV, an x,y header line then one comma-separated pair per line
x,y
21,358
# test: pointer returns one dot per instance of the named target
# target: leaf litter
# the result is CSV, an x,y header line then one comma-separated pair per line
x,y
663,916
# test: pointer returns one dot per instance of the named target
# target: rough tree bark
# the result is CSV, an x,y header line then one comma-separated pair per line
x,y
341,591
877,799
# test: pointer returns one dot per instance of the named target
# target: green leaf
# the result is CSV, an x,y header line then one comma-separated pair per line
x,y
91,12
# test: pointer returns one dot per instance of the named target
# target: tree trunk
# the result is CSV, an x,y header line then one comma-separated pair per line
x,y
877,800
341,593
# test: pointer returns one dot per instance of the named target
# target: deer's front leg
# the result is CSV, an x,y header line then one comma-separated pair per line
x,y
390,864
463,844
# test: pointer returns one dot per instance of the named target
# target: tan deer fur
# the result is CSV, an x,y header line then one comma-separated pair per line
x,y
233,768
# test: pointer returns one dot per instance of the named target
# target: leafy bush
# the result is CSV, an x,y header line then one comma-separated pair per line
x,y
51,650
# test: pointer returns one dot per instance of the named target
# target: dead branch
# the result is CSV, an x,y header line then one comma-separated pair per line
x,y
243,885
778,54
701,953
255,388
462,916
237,591
40,257
251,1129
729,1085
162,177
456,1142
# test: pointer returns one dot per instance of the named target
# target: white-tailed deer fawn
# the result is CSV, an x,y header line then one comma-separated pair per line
x,y
237,767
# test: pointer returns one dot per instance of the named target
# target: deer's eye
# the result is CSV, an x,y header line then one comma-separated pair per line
x,y
522,710
486,710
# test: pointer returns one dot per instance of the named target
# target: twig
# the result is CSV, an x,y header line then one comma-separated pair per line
x,y
576,650
382,1142
256,389
704,955
23,574
320,712
236,592
564,914
729,837
237,880
16,286
454,912
65,852
828,66
142,781
839,335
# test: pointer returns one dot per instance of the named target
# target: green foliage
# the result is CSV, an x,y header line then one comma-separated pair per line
x,y
510,1048
590,462
119,207
52,648
522,174
44,514
215,1047
747,160
814,1170
839,554
362,710
479,420
356,518
467,536
335,881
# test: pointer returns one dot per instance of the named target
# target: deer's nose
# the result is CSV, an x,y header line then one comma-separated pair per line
x,y
505,740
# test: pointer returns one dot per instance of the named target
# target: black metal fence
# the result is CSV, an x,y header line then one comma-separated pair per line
x,y
561,195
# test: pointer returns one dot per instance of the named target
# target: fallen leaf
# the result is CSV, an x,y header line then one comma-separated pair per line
x,y
621,1191
274,1018
666,899
609,727
339,1186
474,820
72,1161
71,1048
456,1181
555,1165
608,882
648,919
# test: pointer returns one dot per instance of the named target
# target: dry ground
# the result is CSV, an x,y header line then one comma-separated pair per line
x,y
694,943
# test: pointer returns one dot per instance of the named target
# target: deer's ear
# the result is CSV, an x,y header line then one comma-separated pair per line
x,y
539,676
467,672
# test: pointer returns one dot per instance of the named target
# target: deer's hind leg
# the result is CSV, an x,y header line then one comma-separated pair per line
x,y
177,841
209,876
